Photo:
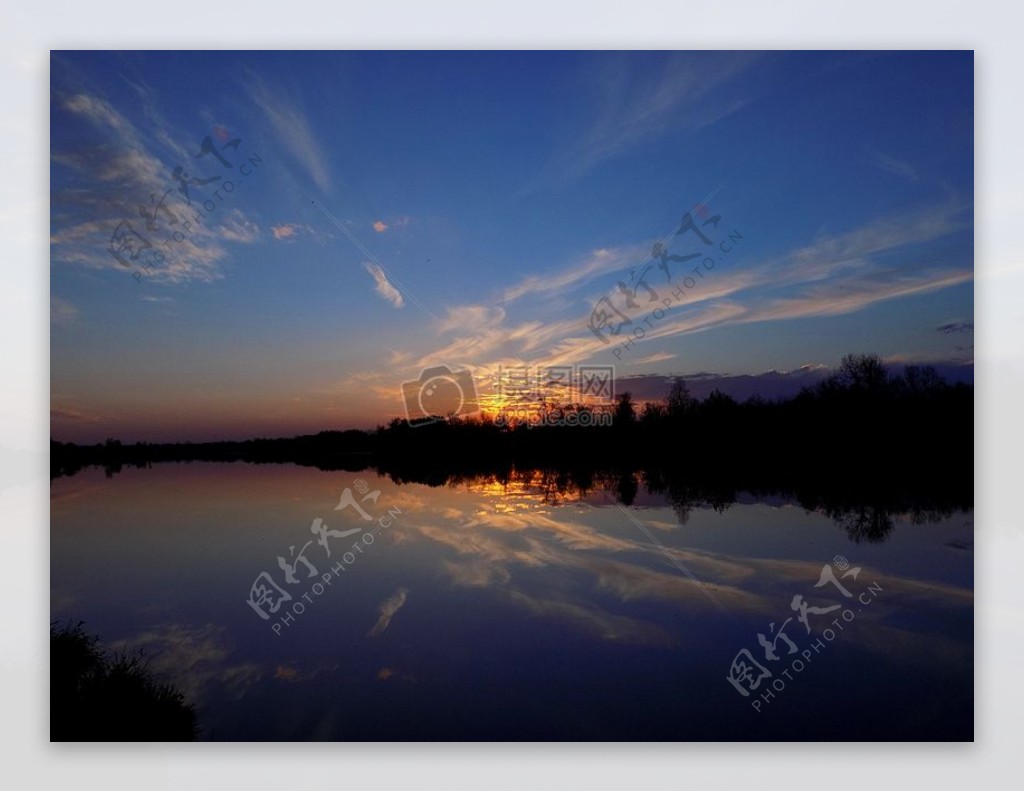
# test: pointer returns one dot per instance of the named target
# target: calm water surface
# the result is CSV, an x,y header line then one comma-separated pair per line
x,y
492,610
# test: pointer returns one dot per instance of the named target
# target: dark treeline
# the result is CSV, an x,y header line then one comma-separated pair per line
x,y
328,450
863,441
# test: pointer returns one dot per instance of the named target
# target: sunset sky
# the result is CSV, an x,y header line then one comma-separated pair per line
x,y
394,211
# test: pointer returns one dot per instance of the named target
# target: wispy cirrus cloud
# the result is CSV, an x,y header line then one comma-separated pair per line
x,y
886,259
638,99
816,260
62,312
114,163
835,275
596,263
236,227
86,245
383,285
851,295
196,257
657,357
292,128
472,317
893,165
115,174
103,114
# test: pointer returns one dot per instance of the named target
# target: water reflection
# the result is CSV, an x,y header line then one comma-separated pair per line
x,y
515,604
868,520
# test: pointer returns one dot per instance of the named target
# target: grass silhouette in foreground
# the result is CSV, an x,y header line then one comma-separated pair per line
x,y
99,697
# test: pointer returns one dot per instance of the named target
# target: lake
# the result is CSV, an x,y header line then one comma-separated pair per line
x,y
519,607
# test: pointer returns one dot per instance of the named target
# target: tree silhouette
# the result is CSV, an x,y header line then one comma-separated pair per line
x,y
921,379
625,411
679,402
863,373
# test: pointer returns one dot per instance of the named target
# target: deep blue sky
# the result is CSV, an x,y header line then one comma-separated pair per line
x,y
502,195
